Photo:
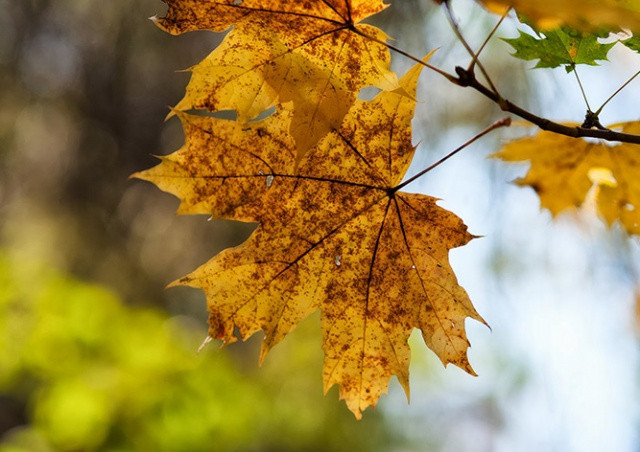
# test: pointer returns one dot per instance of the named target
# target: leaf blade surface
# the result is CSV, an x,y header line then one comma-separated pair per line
x,y
564,170
315,54
334,235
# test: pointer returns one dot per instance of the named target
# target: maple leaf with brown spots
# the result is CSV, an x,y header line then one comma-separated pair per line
x,y
335,234
314,53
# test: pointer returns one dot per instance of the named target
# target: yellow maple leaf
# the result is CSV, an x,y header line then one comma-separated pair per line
x,y
564,169
313,53
585,15
335,235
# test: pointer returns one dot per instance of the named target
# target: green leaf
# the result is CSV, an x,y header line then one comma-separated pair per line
x,y
633,43
558,47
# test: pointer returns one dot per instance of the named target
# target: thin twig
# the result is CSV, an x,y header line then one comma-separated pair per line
x,y
469,79
486,41
456,30
584,95
616,92
505,122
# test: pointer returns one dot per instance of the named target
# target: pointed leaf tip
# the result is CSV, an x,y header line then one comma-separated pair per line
x,y
207,341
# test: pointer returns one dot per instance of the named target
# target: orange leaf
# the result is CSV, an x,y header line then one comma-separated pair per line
x,y
585,15
313,53
564,169
334,235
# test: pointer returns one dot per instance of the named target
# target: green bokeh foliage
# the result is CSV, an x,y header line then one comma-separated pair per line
x,y
94,374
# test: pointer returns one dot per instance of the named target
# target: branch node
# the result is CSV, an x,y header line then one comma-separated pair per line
x,y
465,77
591,121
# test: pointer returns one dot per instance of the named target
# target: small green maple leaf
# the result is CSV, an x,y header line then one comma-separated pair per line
x,y
560,47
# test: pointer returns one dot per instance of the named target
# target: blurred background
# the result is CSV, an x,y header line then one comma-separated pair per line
x,y
96,355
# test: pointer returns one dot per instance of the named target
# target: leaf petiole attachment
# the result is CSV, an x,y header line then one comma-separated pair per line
x,y
584,95
504,122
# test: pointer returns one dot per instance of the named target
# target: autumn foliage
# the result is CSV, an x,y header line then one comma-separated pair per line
x,y
323,178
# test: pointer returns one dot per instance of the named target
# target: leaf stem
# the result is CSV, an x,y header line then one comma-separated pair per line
x,y
584,95
456,30
486,41
616,92
505,122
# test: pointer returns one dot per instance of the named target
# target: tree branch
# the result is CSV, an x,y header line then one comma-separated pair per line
x,y
468,79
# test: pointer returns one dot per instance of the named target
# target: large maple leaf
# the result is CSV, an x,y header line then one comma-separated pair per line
x,y
564,169
585,15
313,53
336,235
